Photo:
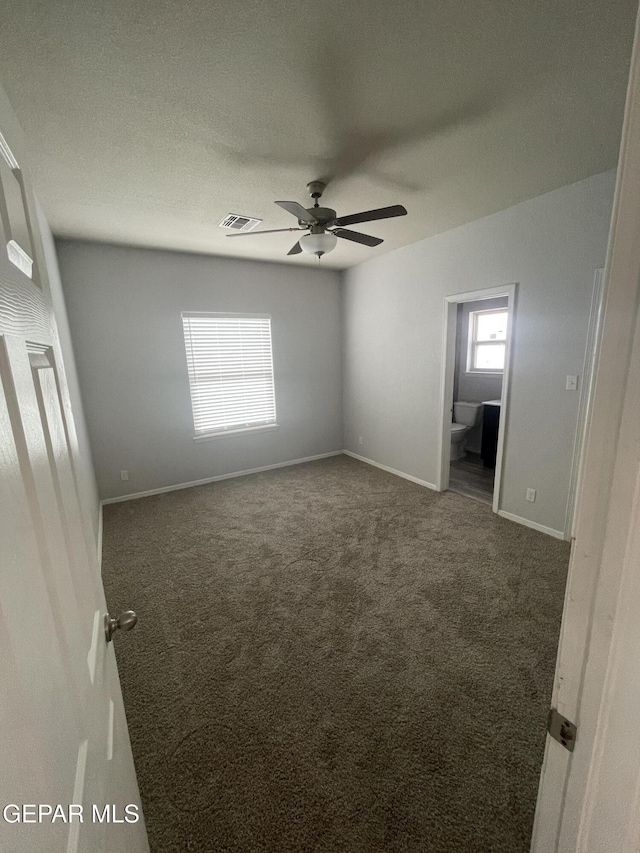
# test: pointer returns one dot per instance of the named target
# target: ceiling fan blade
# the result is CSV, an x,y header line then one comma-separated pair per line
x,y
297,210
357,237
270,231
295,250
370,215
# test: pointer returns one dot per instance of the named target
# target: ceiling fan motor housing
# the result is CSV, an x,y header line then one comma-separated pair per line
x,y
321,215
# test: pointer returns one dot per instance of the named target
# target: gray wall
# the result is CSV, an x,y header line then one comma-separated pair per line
x,y
393,319
124,308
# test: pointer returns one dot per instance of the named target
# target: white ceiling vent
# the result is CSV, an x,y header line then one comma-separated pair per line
x,y
238,223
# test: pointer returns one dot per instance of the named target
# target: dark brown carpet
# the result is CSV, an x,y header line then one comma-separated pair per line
x,y
330,658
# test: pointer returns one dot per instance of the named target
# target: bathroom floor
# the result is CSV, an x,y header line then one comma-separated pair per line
x,y
469,477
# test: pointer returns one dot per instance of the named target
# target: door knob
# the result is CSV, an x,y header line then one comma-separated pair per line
x,y
124,622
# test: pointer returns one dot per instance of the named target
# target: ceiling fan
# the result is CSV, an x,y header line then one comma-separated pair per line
x,y
324,226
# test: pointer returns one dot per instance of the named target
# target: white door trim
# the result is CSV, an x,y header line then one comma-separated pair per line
x,y
585,405
447,375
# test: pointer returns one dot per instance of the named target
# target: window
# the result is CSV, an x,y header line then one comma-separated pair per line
x,y
230,372
487,341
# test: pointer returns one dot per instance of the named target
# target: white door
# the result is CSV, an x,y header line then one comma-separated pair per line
x,y
63,733
589,799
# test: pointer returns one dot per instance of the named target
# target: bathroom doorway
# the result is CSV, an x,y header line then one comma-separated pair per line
x,y
475,383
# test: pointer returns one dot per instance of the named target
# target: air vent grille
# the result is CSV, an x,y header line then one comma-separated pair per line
x,y
238,223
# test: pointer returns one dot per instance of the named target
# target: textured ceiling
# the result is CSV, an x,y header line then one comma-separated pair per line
x,y
149,121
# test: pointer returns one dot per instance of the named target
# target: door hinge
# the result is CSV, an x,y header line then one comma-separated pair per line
x,y
561,729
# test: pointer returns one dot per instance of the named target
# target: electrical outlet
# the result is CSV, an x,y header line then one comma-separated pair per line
x,y
359,439
531,495
124,474
572,383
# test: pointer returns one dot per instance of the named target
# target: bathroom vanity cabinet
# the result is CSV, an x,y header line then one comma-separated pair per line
x,y
490,425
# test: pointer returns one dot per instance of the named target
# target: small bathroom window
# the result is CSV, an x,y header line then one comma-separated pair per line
x,y
487,341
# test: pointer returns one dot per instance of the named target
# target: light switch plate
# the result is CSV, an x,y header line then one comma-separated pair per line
x,y
572,383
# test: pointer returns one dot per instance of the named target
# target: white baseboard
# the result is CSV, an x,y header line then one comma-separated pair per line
x,y
163,489
99,542
392,470
557,534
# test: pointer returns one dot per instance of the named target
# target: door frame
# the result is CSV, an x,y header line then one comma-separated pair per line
x,y
585,404
449,336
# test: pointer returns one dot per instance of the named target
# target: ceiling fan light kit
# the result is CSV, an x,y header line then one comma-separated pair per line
x,y
324,226
318,244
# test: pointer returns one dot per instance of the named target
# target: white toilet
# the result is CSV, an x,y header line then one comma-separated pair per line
x,y
465,416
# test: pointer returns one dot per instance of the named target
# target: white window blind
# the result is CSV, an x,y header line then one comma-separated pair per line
x,y
230,371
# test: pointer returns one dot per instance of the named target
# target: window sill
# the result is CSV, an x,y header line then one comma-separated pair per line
x,y
208,436
484,372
